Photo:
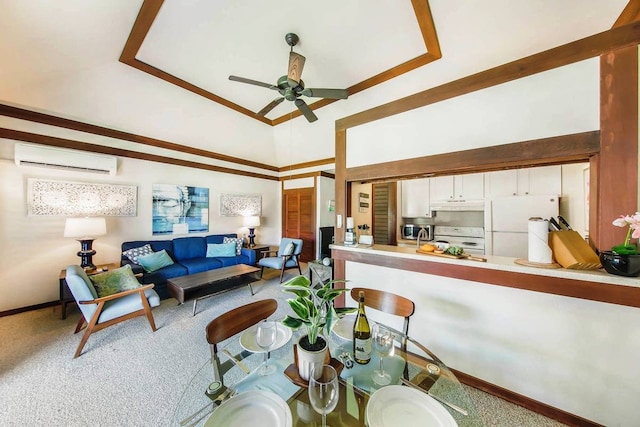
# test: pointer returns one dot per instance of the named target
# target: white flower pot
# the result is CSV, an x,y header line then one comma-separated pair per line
x,y
307,360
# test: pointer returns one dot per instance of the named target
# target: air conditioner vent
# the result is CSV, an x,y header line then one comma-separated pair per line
x,y
62,158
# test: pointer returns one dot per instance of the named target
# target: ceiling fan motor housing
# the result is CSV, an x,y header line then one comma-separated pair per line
x,y
291,39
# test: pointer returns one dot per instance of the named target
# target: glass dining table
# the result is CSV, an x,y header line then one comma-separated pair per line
x,y
421,385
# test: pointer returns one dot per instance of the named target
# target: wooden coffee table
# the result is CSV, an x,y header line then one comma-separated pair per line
x,y
209,283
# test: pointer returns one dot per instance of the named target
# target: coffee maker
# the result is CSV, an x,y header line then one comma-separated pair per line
x,y
350,235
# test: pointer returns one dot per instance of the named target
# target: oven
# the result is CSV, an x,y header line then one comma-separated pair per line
x,y
471,239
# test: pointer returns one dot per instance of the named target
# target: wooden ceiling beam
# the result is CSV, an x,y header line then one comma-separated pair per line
x,y
17,135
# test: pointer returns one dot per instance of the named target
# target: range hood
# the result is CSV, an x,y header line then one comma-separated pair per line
x,y
457,205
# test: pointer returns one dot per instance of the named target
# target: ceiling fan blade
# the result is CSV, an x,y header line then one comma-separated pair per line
x,y
305,110
270,106
326,93
252,82
296,64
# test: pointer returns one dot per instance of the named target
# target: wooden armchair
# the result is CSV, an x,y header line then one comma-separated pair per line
x,y
285,258
100,313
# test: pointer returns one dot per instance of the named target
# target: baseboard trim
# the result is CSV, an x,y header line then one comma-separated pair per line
x,y
524,401
29,308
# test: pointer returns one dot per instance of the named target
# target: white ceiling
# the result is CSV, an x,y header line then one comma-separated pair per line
x,y
61,58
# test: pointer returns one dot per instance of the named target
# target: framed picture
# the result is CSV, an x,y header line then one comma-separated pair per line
x,y
180,209
240,205
69,198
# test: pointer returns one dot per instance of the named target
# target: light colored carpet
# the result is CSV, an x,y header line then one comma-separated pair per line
x,y
129,376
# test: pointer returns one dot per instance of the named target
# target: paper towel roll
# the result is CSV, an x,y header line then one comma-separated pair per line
x,y
539,250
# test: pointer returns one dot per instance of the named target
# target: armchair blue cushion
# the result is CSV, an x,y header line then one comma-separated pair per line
x,y
100,313
283,260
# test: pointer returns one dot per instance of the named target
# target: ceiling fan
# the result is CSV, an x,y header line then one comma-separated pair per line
x,y
291,86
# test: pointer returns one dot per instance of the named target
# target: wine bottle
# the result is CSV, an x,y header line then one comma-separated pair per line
x,y
361,335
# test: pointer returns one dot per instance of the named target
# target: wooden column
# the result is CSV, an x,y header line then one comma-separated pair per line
x,y
616,167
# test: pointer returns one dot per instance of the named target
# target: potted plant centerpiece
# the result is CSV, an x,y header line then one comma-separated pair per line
x,y
624,260
313,308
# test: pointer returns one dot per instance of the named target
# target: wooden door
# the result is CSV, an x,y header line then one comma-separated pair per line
x,y
384,213
299,220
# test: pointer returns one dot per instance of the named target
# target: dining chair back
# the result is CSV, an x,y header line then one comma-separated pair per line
x,y
231,323
99,313
285,258
388,302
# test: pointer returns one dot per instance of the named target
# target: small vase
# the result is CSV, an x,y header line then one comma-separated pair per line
x,y
620,265
308,359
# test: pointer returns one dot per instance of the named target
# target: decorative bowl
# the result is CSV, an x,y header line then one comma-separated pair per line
x,y
621,265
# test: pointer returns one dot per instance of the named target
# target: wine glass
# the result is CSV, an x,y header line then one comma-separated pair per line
x,y
266,333
324,391
382,345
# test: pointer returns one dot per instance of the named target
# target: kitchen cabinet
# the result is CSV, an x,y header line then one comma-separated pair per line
x,y
415,200
524,182
458,187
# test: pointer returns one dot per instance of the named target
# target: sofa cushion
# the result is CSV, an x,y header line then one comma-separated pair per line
x,y
161,276
189,248
218,238
155,261
234,260
221,250
237,241
114,281
134,253
156,245
199,265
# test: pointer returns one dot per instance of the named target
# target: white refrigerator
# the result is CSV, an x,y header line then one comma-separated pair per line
x,y
507,222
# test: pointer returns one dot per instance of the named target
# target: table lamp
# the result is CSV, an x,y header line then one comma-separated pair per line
x,y
85,230
251,222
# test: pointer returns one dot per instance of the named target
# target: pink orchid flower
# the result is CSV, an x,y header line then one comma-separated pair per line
x,y
633,222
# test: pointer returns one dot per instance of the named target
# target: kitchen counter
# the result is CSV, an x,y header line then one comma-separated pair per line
x,y
596,285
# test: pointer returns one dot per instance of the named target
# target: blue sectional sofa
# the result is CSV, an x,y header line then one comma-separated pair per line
x,y
189,257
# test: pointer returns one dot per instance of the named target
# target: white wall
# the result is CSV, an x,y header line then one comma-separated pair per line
x,y
561,101
361,218
326,193
34,251
576,355
573,199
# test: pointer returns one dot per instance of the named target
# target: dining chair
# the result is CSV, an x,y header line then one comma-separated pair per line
x,y
99,313
231,323
390,303
285,258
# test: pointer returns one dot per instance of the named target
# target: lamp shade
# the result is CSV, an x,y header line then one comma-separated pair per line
x,y
252,221
85,227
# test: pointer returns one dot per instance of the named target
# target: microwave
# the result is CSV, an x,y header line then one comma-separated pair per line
x,y
410,231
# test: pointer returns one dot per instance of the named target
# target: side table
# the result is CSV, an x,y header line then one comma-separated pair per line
x,y
320,273
65,293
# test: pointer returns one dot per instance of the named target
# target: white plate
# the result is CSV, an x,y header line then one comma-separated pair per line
x,y
255,407
249,343
343,328
397,405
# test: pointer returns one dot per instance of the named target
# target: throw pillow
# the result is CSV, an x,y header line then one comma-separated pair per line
x,y
222,249
134,253
114,281
237,241
288,250
155,261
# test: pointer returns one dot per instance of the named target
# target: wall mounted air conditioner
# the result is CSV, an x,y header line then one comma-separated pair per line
x,y
63,158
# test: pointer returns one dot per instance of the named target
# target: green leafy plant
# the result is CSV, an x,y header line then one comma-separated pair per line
x,y
633,222
313,306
